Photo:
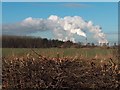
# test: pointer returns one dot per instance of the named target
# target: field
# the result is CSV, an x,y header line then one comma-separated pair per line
x,y
52,52
60,68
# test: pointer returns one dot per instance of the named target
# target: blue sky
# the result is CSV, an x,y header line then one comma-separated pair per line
x,y
60,0
104,14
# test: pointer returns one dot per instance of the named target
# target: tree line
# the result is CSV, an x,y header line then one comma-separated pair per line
x,y
37,42
28,42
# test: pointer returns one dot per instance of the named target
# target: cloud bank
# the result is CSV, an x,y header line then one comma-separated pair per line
x,y
63,28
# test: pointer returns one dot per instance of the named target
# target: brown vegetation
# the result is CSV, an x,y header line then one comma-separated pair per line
x,y
66,72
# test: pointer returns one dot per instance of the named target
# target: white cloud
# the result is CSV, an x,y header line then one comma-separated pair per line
x,y
63,28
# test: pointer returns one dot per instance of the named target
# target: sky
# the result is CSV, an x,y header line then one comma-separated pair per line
x,y
60,0
104,14
0,18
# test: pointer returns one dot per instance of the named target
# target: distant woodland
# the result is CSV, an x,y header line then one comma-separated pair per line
x,y
37,42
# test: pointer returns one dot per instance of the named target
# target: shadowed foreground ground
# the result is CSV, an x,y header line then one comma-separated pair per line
x,y
42,72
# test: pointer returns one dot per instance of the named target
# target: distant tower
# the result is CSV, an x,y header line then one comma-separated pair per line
x,y
107,44
86,40
115,44
100,44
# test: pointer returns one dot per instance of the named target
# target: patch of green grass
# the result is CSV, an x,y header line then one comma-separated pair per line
x,y
52,52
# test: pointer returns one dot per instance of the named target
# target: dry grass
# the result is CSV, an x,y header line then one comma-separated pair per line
x,y
65,72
